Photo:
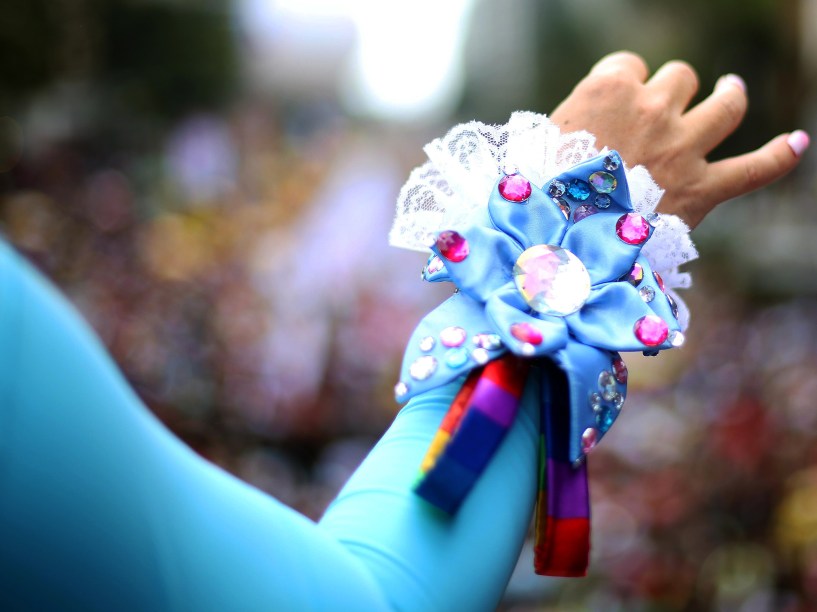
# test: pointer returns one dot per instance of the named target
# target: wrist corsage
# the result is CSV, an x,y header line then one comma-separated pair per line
x,y
560,263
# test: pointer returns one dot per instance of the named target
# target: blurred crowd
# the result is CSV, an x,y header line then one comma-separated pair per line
x,y
234,262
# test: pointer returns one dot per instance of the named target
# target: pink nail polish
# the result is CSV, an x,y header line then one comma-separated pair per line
x,y
798,142
731,79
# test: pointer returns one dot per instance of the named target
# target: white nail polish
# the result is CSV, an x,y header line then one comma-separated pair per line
x,y
731,79
798,142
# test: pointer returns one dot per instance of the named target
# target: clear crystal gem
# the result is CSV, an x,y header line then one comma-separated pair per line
x,y
603,182
647,293
607,384
423,367
605,418
400,389
480,355
456,357
602,201
677,338
595,401
556,189
589,439
528,349
578,190
651,330
452,246
453,336
632,228
514,188
552,280
618,401
659,280
487,341
427,343
612,161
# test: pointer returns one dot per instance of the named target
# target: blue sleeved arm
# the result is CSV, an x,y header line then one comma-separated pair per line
x,y
102,508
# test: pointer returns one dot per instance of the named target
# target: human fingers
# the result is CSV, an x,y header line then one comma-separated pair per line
x,y
622,63
711,121
676,82
739,175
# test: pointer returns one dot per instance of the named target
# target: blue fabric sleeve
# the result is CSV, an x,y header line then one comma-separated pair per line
x,y
102,508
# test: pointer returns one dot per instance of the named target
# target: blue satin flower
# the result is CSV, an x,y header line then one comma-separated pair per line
x,y
550,272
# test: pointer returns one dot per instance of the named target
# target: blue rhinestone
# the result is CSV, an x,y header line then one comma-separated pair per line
x,y
456,357
603,201
605,418
578,190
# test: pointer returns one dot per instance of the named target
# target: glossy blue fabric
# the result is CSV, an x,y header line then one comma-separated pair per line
x,y
584,343
101,508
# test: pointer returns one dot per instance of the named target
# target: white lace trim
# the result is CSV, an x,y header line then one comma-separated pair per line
x,y
454,185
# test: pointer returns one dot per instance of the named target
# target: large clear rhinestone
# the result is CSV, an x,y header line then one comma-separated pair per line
x,y
552,280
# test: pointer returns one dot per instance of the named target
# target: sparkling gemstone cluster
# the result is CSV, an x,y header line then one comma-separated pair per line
x,y
457,353
652,330
552,281
606,402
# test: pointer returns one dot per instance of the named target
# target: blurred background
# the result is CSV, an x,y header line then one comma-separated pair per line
x,y
212,183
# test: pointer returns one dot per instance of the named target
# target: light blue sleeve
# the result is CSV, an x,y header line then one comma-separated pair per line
x,y
102,508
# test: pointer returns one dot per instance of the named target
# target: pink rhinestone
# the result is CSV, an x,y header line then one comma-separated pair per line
x,y
620,370
589,439
452,246
453,336
514,188
525,332
632,228
651,330
659,280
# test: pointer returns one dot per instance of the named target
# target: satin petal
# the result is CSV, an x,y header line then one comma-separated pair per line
x,y
537,220
506,308
608,318
594,241
489,264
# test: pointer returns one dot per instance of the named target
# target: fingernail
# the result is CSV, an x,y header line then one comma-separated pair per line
x,y
798,142
731,79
